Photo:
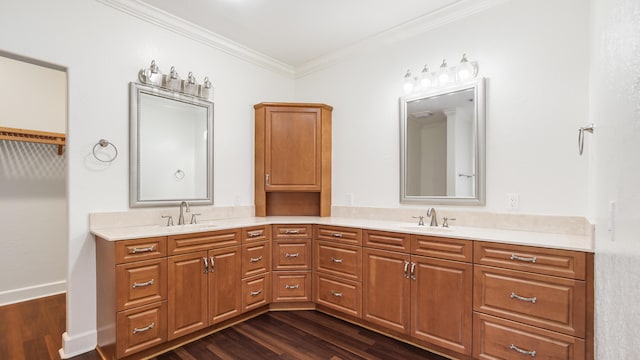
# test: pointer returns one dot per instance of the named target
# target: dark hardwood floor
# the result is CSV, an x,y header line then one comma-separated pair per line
x,y
33,330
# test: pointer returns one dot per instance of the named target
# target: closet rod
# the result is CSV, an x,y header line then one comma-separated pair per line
x,y
42,137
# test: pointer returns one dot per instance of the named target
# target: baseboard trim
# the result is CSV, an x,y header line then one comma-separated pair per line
x,y
78,344
32,292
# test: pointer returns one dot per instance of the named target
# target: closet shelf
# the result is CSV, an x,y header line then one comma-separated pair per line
x,y
42,137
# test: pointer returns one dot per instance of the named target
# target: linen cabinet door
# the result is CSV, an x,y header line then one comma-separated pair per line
x,y
441,299
188,297
225,284
386,293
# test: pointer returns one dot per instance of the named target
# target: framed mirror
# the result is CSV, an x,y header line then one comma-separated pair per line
x,y
442,145
171,148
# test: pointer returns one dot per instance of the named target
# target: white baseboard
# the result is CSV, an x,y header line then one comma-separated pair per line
x,y
77,344
32,292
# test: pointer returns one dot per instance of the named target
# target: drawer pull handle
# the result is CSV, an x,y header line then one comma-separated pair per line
x,y
206,265
531,299
255,233
136,250
406,269
525,259
336,294
146,328
143,284
525,352
338,235
292,231
337,261
255,293
287,286
252,260
211,263
294,255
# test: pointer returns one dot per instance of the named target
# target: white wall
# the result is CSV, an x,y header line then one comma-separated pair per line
x,y
615,174
534,56
33,204
103,50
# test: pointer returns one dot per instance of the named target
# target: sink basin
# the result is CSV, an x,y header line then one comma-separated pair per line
x,y
428,229
189,227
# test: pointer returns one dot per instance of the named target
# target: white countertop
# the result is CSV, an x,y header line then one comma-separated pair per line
x,y
550,240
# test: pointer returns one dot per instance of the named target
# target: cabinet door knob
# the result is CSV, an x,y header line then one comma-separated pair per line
x,y
252,260
287,286
294,255
206,265
211,263
406,269
337,261
143,284
255,293
413,270
336,294
142,250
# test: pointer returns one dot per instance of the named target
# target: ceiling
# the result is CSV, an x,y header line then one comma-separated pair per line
x,y
296,32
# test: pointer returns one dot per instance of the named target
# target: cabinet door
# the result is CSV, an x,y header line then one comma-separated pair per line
x,y
386,292
293,145
188,298
225,285
441,296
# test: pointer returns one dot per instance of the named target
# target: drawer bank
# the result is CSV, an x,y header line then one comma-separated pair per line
x,y
464,298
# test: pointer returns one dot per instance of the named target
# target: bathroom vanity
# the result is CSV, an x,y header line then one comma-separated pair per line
x,y
466,293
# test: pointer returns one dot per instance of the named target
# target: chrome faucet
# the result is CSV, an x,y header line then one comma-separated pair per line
x,y
434,218
181,218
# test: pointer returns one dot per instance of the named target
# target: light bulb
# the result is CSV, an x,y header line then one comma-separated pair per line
x,y
466,69
408,82
443,74
426,80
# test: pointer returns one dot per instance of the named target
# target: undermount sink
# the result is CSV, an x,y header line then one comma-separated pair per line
x,y
428,229
187,227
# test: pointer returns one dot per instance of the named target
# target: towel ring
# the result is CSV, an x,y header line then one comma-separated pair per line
x,y
179,174
104,143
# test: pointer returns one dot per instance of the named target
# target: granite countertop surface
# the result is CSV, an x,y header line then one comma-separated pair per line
x,y
529,238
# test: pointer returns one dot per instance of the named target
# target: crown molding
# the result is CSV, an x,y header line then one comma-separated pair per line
x,y
165,20
435,19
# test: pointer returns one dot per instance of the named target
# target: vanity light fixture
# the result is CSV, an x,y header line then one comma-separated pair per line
x,y
153,76
445,75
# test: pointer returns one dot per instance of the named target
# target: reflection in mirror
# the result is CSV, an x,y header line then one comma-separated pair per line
x,y
171,148
442,145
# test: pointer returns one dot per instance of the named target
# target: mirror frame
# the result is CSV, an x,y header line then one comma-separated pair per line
x,y
135,90
478,86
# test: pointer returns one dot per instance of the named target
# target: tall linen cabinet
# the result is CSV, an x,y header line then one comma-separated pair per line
x,y
292,159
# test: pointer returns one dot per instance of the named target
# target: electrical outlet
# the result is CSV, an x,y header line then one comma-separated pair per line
x,y
513,201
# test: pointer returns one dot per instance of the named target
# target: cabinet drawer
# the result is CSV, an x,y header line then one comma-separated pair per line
x,y
295,231
256,258
338,294
442,248
140,283
496,338
343,235
549,302
186,243
292,255
338,260
256,292
291,286
387,240
256,233
140,249
141,328
565,263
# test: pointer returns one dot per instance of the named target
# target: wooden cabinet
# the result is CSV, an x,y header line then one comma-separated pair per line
x,y
292,159
131,295
530,301
256,267
428,298
205,285
337,268
291,263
